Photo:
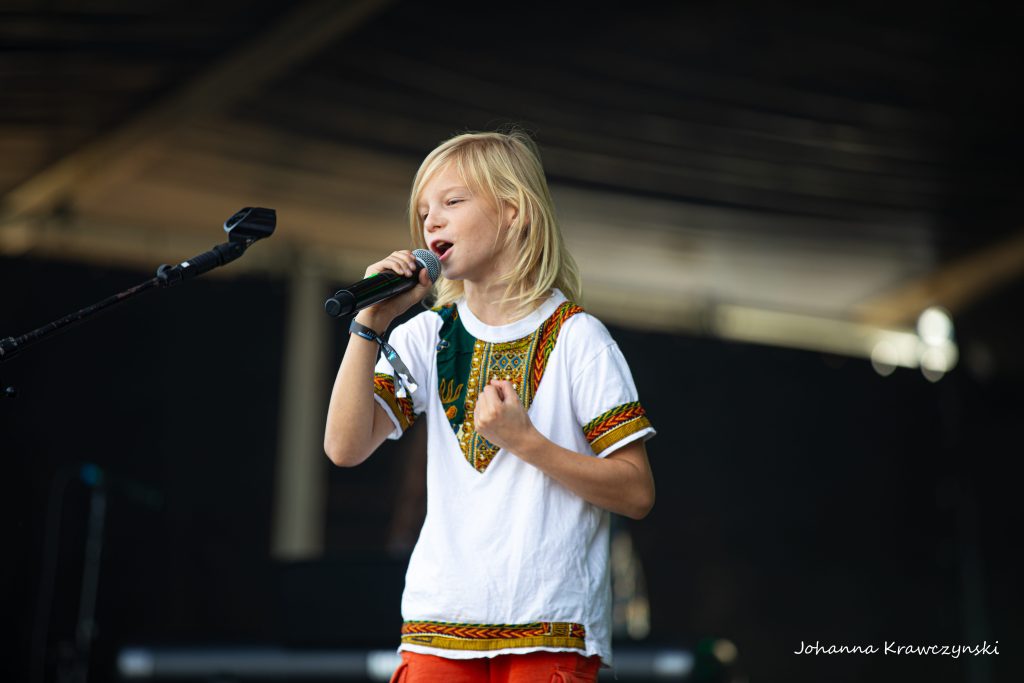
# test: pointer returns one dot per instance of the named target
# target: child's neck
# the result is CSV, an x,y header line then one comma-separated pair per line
x,y
486,303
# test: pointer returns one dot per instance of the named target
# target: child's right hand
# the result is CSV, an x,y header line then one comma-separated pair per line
x,y
379,316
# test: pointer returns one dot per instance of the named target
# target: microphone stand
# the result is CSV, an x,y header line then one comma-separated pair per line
x,y
243,228
12,345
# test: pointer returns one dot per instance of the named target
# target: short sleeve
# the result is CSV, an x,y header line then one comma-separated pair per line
x,y
606,402
401,405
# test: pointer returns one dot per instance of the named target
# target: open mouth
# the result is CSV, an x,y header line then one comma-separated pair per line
x,y
441,248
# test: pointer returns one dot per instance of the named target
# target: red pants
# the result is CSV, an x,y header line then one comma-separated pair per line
x,y
533,667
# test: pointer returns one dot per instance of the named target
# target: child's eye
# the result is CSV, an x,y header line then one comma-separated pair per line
x,y
454,201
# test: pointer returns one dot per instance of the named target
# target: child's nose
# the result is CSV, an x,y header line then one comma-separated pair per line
x,y
433,221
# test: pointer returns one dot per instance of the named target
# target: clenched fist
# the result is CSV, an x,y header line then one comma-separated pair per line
x,y
500,417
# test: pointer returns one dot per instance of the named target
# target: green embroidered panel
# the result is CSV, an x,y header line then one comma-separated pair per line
x,y
454,355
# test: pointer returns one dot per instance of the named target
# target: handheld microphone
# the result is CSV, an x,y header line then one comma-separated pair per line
x,y
380,286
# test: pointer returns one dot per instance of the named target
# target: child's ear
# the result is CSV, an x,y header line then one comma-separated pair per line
x,y
511,213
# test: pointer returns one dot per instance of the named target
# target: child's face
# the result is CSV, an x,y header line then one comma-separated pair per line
x,y
462,228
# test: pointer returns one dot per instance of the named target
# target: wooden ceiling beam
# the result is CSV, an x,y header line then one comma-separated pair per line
x,y
116,153
954,286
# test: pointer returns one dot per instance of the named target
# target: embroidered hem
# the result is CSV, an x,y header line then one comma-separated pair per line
x,y
449,636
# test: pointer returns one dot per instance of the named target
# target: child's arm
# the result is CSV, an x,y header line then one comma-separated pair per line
x,y
356,424
620,482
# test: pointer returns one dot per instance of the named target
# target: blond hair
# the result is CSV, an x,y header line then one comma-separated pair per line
x,y
505,167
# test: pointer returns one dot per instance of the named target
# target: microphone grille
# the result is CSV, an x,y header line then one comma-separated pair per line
x,y
429,261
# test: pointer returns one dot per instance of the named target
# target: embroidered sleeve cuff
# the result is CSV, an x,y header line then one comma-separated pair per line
x,y
399,409
617,427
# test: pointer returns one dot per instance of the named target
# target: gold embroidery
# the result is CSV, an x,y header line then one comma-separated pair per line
x,y
503,360
494,636
448,393
616,424
401,407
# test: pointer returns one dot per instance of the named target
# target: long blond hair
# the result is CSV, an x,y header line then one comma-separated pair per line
x,y
506,167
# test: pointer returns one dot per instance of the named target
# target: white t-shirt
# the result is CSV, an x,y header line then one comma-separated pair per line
x,y
509,560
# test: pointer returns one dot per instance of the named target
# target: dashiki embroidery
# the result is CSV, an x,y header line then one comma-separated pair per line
x,y
465,365
401,407
449,636
615,425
